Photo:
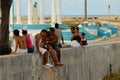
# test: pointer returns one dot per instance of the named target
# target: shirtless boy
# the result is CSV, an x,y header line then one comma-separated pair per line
x,y
53,41
20,42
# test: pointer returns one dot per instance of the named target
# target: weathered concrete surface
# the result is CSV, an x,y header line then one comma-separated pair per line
x,y
90,63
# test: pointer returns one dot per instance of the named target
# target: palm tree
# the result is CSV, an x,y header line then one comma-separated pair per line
x,y
4,28
85,9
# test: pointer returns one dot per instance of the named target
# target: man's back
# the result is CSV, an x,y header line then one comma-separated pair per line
x,y
20,42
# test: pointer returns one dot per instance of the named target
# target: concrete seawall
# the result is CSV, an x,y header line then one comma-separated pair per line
x,y
90,63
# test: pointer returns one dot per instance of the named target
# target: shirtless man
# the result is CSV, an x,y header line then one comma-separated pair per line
x,y
44,49
54,43
20,43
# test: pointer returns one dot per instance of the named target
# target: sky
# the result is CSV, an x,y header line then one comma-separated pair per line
x,y
76,7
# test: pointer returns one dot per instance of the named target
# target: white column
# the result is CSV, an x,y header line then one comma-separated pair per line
x,y
18,11
41,11
53,11
29,11
59,12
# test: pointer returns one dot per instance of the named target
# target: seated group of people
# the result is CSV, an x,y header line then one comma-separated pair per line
x,y
46,43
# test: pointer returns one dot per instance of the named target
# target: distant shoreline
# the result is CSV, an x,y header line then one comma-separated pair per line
x,y
75,15
71,19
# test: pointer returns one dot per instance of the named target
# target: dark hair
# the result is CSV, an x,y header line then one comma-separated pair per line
x,y
56,25
77,28
16,32
45,31
72,28
52,29
83,34
24,32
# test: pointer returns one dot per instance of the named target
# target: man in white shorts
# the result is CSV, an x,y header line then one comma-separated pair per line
x,y
43,49
40,49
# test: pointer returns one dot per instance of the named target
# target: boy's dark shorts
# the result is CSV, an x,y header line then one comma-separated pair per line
x,y
30,50
55,47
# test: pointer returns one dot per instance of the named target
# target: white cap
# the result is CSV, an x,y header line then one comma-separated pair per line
x,y
24,28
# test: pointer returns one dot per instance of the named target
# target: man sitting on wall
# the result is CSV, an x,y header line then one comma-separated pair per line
x,y
75,36
44,49
53,41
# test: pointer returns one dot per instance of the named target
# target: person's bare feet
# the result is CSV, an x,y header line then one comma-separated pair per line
x,y
59,64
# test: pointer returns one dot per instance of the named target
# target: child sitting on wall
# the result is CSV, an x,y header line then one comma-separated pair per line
x,y
83,39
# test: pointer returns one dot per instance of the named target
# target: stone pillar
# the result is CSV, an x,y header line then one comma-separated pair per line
x,y
59,11
18,11
41,11
53,12
29,11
